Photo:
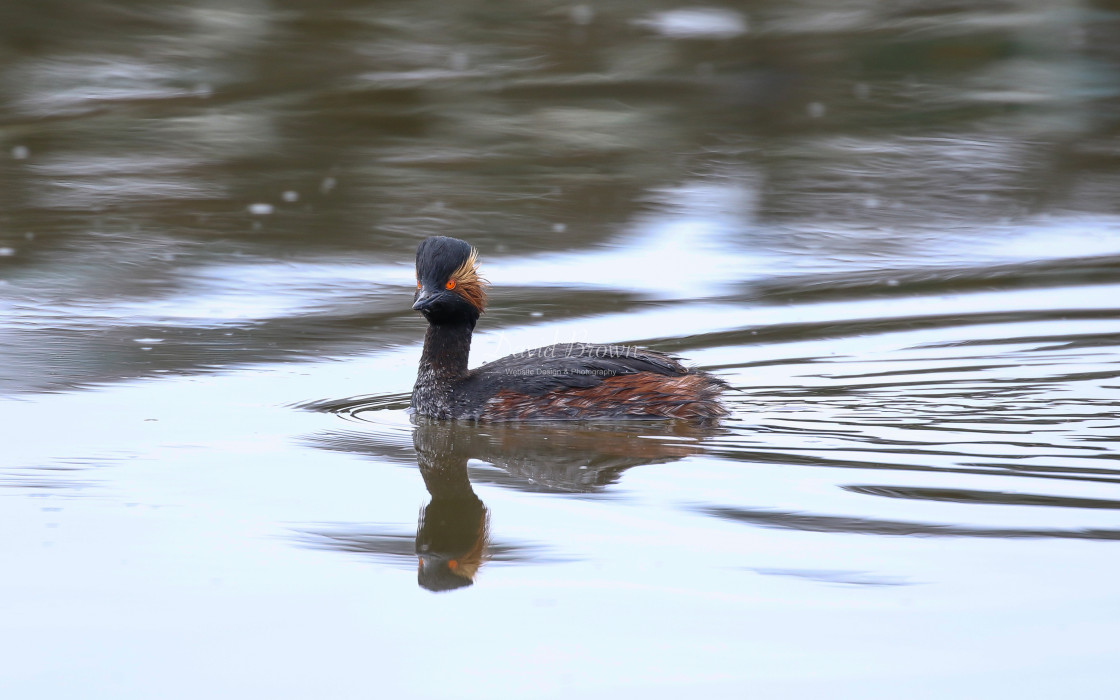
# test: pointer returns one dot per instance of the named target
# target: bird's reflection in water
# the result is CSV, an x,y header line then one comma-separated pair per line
x,y
453,538
453,532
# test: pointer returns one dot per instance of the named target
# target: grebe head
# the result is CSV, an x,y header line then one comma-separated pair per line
x,y
448,287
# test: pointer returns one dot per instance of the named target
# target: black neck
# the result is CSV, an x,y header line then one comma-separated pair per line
x,y
447,347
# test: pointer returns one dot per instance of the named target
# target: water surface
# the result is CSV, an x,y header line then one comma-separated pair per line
x,y
893,231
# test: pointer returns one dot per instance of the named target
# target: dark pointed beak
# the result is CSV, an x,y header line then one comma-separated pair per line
x,y
423,301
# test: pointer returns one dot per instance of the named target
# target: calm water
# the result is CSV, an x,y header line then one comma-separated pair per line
x,y
893,229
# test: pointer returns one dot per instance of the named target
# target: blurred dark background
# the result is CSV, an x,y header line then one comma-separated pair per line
x,y
145,145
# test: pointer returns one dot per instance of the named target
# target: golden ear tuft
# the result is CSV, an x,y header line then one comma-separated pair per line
x,y
468,283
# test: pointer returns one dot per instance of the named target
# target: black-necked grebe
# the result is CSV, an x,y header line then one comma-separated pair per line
x,y
569,381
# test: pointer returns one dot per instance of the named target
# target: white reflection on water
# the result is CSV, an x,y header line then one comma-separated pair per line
x,y
693,254
59,86
690,248
905,412
696,23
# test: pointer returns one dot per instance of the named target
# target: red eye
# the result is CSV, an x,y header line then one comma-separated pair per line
x,y
450,284
418,284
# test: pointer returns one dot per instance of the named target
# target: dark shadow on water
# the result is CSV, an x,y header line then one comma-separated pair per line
x,y
983,497
355,405
809,522
800,455
824,330
897,282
